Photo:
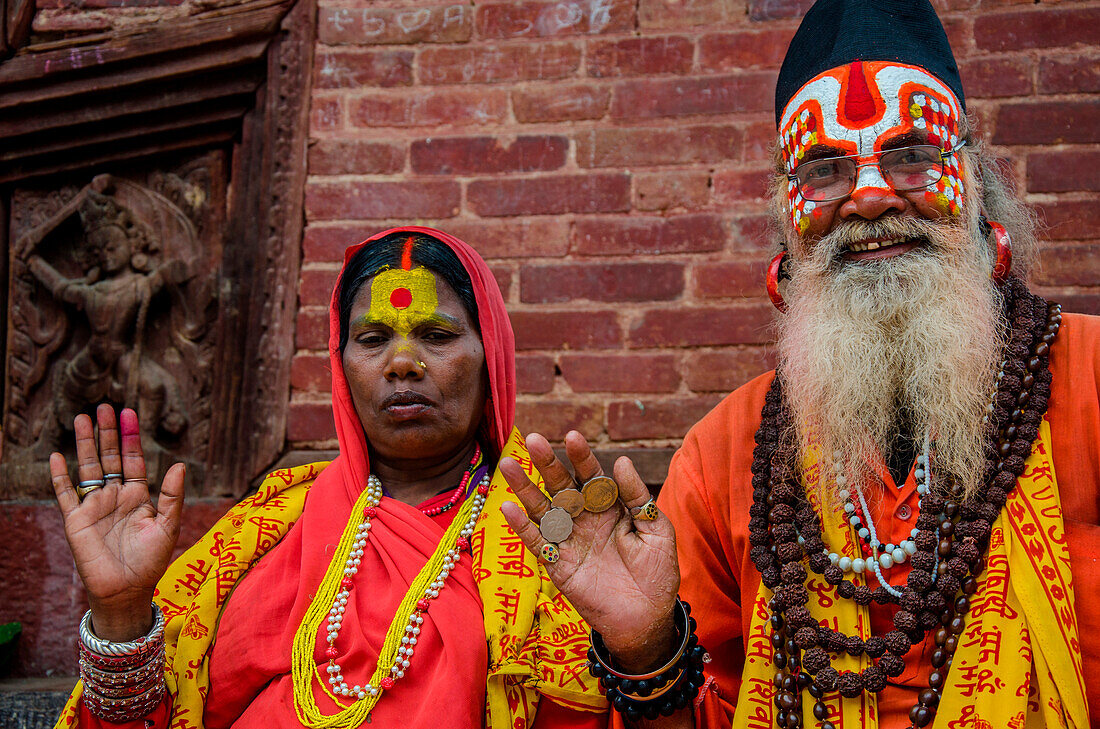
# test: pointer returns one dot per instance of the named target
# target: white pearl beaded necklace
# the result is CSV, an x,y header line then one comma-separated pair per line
x,y
412,628
891,554
886,560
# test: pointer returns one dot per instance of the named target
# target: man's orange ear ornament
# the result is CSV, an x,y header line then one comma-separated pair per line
x,y
1003,265
777,280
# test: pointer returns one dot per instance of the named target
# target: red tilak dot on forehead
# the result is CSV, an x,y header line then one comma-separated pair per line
x,y
401,298
858,103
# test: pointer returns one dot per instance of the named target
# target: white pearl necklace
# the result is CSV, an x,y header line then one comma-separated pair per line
x,y
891,554
412,628
908,547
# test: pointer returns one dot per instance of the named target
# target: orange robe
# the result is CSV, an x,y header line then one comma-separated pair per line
x,y
708,494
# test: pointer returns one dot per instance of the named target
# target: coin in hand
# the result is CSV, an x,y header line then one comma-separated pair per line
x,y
556,525
569,499
600,493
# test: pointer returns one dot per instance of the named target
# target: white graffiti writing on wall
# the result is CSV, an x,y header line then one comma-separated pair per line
x,y
372,23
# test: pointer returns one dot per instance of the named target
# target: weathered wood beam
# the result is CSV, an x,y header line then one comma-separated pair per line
x,y
15,18
110,96
184,92
37,64
162,69
117,133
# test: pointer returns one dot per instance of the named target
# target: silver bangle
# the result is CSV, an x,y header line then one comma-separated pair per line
x,y
110,701
95,644
599,648
122,710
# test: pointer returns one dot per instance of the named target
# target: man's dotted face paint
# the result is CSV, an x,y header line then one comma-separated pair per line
x,y
858,108
403,300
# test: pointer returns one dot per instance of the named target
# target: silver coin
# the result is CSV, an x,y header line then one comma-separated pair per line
x,y
556,525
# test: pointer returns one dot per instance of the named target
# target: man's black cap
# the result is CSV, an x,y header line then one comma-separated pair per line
x,y
837,32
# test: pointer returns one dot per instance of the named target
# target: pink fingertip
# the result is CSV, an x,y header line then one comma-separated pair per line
x,y
512,506
128,423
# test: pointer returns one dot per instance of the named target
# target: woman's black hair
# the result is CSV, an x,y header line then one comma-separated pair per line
x,y
386,253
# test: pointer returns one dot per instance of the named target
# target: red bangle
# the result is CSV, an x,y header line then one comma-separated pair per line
x,y
123,710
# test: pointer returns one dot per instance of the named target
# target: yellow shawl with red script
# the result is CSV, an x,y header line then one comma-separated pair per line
x,y
1018,663
537,642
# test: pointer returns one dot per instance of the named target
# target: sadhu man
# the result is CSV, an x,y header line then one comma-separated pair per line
x,y
897,527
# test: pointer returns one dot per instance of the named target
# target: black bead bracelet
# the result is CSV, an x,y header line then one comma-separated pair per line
x,y
663,692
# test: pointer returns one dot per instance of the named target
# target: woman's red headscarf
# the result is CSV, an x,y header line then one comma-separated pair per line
x,y
353,466
260,622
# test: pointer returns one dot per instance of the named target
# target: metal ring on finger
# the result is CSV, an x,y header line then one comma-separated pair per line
x,y
646,512
550,553
87,487
600,493
112,476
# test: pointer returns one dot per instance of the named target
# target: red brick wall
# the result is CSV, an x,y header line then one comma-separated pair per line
x,y
610,157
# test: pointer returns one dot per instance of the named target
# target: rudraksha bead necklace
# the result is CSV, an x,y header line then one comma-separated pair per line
x,y
951,537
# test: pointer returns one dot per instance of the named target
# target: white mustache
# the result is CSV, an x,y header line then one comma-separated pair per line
x,y
852,234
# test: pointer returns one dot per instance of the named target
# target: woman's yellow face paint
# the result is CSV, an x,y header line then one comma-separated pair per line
x,y
411,336
403,300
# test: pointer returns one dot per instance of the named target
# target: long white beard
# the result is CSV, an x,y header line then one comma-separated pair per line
x,y
905,345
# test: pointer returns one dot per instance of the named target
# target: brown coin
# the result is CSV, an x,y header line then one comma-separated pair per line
x,y
556,525
569,499
600,493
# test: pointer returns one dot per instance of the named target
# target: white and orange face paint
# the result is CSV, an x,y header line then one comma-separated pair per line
x,y
857,109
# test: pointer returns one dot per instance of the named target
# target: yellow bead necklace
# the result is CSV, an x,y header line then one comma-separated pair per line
x,y
401,637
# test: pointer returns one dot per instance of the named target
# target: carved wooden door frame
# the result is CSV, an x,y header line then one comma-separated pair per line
x,y
237,78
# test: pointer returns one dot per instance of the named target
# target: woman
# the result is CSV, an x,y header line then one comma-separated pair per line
x,y
384,587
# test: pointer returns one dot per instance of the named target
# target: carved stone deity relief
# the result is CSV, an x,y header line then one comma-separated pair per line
x,y
112,297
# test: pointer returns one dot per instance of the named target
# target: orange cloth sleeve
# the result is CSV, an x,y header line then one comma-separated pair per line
x,y
1074,417
707,496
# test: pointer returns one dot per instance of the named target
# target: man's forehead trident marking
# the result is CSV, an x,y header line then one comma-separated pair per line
x,y
859,104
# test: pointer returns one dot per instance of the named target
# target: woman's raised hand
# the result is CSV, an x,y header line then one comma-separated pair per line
x,y
619,572
121,542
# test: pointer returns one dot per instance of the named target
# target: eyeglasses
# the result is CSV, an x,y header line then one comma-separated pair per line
x,y
904,169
